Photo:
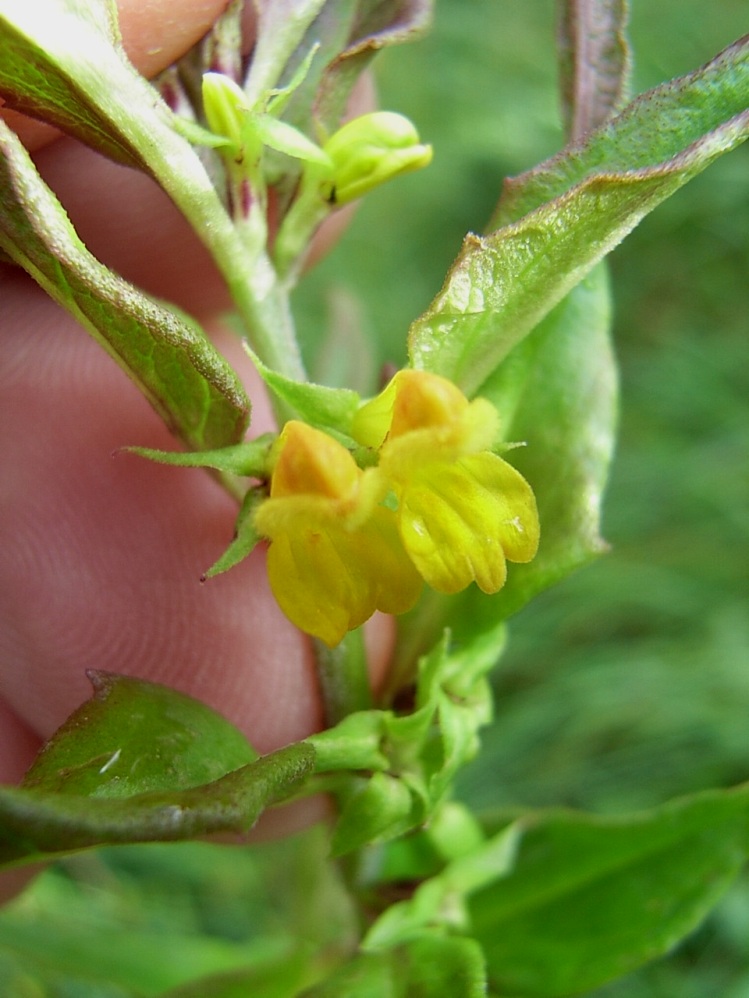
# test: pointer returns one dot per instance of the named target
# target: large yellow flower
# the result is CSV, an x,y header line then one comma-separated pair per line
x,y
461,509
335,554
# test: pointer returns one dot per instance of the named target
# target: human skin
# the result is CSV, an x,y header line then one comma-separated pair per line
x,y
102,555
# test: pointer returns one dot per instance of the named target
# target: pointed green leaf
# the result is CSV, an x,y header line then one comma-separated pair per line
x,y
591,898
61,61
677,127
167,355
566,215
39,42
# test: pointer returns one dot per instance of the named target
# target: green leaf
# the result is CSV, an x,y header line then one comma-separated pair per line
x,y
566,215
167,355
36,825
61,61
134,737
39,44
141,763
428,966
591,898
557,393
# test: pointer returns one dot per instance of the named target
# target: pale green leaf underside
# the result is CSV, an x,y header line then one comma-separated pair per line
x,y
590,197
167,354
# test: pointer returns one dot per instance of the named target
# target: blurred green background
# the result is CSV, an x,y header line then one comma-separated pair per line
x,y
625,685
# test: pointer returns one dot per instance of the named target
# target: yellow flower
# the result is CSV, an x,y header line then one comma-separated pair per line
x,y
461,509
335,555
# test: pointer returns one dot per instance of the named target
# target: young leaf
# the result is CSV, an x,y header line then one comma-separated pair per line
x,y
591,898
565,216
167,355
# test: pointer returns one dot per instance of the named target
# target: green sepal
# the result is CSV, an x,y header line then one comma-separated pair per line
x,y
320,406
248,459
246,536
285,138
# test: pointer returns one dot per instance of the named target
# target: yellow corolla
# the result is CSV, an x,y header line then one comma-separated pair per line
x,y
335,554
461,509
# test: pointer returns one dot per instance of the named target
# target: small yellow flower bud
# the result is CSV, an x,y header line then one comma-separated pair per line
x,y
369,150
225,107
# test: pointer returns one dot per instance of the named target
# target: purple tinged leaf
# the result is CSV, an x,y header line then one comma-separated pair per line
x,y
594,62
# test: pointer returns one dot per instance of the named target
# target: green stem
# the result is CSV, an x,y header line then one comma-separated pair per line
x,y
260,296
343,677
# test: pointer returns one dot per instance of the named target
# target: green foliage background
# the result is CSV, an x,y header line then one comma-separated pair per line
x,y
624,686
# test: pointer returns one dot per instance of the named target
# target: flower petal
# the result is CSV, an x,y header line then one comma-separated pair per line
x,y
329,580
460,522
